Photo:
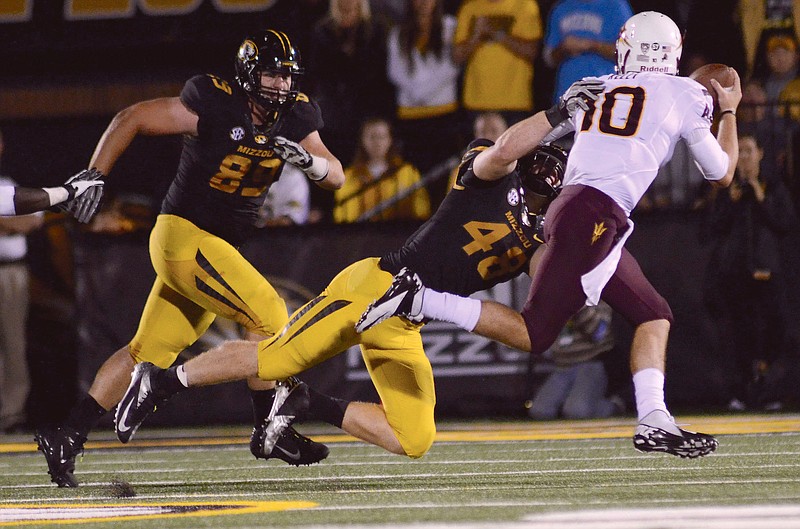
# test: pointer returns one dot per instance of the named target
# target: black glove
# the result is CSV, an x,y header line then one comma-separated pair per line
x,y
579,95
85,192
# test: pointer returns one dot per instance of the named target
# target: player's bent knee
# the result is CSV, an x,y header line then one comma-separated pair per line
x,y
160,359
658,310
417,446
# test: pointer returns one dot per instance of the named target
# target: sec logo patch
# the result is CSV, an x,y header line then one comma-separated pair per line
x,y
513,197
237,133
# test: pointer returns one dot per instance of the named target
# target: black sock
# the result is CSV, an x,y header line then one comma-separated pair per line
x,y
327,409
169,381
262,404
85,416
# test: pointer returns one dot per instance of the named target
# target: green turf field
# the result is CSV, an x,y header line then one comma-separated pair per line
x,y
509,474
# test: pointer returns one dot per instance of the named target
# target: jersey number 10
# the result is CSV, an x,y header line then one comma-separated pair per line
x,y
630,98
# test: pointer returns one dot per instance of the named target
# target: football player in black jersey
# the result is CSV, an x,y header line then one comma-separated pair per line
x,y
237,137
483,234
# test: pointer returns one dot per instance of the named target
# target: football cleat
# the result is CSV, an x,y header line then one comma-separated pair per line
x,y
404,298
657,432
143,396
292,447
291,403
60,447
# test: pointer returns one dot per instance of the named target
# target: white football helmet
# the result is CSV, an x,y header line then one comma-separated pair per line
x,y
649,42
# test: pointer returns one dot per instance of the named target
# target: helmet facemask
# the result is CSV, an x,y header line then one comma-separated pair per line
x,y
542,174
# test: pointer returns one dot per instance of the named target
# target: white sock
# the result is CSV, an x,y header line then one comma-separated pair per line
x,y
648,385
181,372
451,308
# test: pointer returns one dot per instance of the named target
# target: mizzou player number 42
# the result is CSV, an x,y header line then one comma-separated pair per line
x,y
445,253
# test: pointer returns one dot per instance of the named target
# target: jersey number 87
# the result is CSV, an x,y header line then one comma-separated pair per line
x,y
236,170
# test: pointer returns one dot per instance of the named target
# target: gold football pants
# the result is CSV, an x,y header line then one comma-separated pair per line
x,y
199,276
392,351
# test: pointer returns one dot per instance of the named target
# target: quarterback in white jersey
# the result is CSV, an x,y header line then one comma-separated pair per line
x,y
630,132
626,127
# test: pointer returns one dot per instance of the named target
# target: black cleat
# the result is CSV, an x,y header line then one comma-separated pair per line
x,y
141,399
60,447
404,298
292,447
657,432
291,403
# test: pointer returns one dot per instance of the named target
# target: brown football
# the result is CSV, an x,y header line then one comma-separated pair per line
x,y
722,73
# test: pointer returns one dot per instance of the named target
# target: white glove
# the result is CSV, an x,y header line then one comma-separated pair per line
x,y
315,167
579,94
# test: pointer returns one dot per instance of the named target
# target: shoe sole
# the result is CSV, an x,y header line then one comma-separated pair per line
x,y
371,317
647,445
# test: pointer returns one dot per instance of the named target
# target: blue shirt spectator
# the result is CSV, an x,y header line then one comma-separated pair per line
x,y
580,39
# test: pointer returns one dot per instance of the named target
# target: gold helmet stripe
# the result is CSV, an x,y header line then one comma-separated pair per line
x,y
282,38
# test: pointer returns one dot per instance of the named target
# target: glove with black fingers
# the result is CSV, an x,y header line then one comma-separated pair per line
x,y
579,95
315,167
85,190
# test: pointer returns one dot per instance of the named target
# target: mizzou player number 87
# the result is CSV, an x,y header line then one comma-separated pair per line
x,y
237,137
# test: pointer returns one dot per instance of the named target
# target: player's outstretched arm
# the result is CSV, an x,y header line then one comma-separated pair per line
x,y
155,117
521,138
25,200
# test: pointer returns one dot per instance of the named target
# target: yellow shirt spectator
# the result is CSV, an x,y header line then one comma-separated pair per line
x,y
499,41
359,194
378,174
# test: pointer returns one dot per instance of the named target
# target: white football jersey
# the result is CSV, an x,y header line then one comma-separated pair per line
x,y
632,131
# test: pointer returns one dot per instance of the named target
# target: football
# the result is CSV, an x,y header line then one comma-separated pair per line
x,y
722,73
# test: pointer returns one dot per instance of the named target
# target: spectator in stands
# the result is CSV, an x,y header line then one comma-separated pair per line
x,y
378,174
347,62
487,125
581,37
498,42
782,61
14,298
745,279
347,65
421,67
576,388
760,20
286,203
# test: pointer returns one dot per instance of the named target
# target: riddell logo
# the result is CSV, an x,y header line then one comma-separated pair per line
x,y
662,69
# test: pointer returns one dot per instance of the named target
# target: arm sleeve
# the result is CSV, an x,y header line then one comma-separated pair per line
x,y
708,155
7,201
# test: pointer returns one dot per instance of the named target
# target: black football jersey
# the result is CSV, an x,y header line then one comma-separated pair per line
x,y
225,171
480,236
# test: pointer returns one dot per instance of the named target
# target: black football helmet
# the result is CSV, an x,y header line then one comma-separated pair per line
x,y
272,53
542,173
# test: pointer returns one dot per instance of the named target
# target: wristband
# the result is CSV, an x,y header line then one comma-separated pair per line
x,y
57,195
729,111
319,169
